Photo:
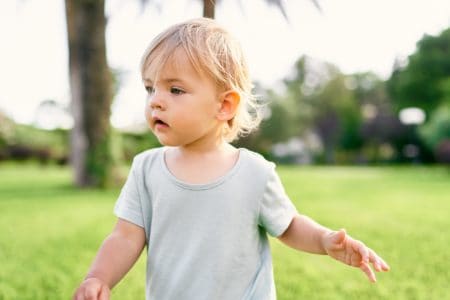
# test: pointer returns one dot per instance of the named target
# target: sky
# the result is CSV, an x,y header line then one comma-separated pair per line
x,y
355,35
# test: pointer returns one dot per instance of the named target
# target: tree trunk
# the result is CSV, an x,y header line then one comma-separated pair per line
x,y
91,92
328,126
209,8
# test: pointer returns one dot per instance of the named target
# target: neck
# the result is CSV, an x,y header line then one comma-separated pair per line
x,y
211,143
204,148
196,165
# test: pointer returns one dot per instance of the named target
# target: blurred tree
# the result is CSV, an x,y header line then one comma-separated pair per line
x,y
351,114
337,114
91,90
385,131
209,7
425,80
380,130
278,123
436,133
7,127
322,102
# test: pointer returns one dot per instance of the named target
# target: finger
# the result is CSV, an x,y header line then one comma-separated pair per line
x,y
360,251
374,259
91,293
104,293
77,296
356,260
370,274
363,251
384,265
378,263
339,236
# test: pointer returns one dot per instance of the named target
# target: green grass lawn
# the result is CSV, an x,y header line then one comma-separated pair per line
x,y
50,232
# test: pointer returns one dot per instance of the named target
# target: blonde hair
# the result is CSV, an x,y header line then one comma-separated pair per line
x,y
214,52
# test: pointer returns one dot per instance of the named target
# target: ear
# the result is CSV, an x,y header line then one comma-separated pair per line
x,y
229,102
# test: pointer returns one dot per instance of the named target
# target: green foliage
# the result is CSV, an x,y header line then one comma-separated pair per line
x,y
36,142
32,136
51,231
6,129
317,98
437,128
424,82
350,138
281,115
120,146
99,162
278,125
134,143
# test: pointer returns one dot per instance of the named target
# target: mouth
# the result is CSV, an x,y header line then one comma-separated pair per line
x,y
159,123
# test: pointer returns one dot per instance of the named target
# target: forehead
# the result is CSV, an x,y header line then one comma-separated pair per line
x,y
173,65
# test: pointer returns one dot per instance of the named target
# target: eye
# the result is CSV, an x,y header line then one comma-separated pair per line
x,y
149,89
176,91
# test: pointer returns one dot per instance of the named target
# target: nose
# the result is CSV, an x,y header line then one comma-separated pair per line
x,y
156,101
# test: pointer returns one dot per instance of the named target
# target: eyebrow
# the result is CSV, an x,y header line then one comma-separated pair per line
x,y
166,80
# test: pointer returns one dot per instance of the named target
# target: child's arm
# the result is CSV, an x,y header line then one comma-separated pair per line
x,y
116,256
305,234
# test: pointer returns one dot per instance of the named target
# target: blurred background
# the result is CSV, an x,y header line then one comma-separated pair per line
x,y
345,83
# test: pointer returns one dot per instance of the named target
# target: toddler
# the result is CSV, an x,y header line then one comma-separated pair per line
x,y
202,207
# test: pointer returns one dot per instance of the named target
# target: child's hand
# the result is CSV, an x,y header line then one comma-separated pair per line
x,y
92,289
342,247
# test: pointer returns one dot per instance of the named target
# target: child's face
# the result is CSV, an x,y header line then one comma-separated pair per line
x,y
182,104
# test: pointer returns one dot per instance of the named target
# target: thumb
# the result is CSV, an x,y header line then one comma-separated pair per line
x,y
335,240
338,237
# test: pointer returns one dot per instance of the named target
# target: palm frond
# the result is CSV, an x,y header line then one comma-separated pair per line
x,y
280,4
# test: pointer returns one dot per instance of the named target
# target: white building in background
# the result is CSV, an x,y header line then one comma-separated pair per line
x,y
298,150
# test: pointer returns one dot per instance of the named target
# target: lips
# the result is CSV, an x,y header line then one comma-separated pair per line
x,y
159,122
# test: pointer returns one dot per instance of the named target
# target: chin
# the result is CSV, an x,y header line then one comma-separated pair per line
x,y
168,143
174,142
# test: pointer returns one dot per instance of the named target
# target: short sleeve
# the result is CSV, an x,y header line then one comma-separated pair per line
x,y
276,209
128,205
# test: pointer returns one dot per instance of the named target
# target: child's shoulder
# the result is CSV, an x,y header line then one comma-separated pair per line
x,y
147,157
257,161
148,153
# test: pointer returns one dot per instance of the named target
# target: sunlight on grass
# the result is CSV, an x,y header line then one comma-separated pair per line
x,y
50,233
402,213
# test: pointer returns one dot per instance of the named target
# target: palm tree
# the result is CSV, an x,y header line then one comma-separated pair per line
x,y
91,92
209,7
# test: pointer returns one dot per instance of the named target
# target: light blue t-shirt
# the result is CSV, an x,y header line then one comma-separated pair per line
x,y
207,241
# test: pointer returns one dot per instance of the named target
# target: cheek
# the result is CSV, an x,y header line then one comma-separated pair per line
x,y
148,113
